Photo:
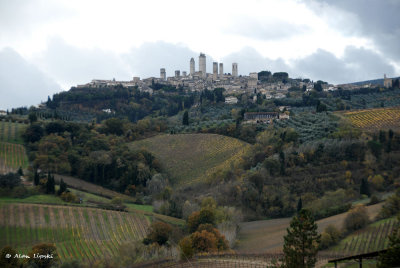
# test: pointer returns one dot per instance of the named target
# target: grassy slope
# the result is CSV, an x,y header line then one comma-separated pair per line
x,y
90,187
192,157
267,235
82,233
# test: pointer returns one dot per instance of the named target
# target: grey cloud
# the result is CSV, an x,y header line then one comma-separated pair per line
x,y
378,20
249,60
71,65
357,64
265,30
22,84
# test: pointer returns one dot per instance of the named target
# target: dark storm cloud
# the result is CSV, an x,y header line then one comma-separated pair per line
x,y
378,20
72,65
357,64
147,59
272,30
22,84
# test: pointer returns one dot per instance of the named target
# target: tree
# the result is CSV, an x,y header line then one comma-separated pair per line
x,y
33,133
49,251
63,187
114,126
356,218
205,215
301,242
185,119
50,184
159,233
10,180
20,171
364,187
36,178
299,205
185,245
5,260
32,117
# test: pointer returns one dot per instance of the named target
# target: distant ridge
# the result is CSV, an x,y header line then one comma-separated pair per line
x,y
378,82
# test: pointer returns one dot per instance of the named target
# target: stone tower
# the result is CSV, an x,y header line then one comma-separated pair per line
x,y
163,75
192,68
177,73
234,69
202,65
221,70
215,70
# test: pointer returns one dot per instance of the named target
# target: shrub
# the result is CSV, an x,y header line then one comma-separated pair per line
x,y
69,197
8,262
205,215
43,249
186,248
356,219
204,241
159,233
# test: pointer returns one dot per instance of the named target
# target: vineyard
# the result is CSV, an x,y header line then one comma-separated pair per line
x,y
310,126
372,119
191,157
12,156
11,132
79,233
369,239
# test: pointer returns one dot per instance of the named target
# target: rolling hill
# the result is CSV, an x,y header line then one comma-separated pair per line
x,y
192,157
267,235
86,234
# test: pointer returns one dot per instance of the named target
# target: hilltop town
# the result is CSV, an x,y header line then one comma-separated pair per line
x,y
231,82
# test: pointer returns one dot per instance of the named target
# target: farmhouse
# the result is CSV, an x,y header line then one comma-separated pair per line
x,y
260,117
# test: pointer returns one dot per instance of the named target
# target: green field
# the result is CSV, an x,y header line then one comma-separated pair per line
x,y
12,153
11,132
192,157
86,234
372,238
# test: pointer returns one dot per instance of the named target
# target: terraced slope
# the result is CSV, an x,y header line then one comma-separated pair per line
x,y
192,157
86,234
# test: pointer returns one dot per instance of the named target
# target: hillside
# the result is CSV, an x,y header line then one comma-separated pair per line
x,y
375,119
12,153
191,157
81,233
374,237
267,235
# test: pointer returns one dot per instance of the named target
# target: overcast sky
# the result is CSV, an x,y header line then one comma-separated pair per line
x,y
49,46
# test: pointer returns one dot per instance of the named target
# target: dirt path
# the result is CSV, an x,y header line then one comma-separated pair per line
x,y
267,235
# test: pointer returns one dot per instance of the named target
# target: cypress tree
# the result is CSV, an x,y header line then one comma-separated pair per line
x,y
301,242
185,119
50,184
364,187
36,178
299,205
63,187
